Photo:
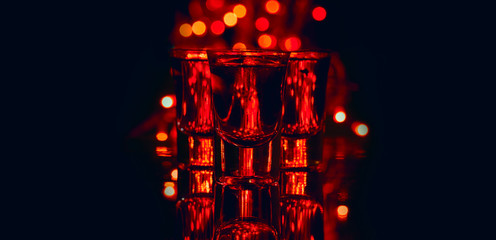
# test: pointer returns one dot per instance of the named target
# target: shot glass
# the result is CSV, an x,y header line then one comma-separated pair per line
x,y
247,89
304,105
195,142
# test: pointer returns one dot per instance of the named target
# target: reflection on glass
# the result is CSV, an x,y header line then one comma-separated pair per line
x,y
304,98
301,212
246,211
201,151
247,94
191,75
195,210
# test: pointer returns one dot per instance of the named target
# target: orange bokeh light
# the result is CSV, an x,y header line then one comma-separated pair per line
x,y
340,116
272,6
217,27
230,19
319,13
262,24
167,102
240,10
185,30
292,44
174,175
342,211
266,41
239,46
214,4
199,28
162,136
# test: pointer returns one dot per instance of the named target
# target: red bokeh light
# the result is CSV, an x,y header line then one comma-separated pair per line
x,y
319,13
214,4
292,44
217,27
262,24
267,41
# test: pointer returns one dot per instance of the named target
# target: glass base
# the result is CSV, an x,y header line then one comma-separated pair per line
x,y
246,229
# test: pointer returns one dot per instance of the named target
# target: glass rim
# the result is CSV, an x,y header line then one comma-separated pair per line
x,y
310,54
248,52
188,53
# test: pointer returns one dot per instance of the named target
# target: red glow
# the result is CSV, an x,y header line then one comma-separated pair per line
x,y
199,28
360,129
174,175
214,4
185,30
230,19
292,44
162,136
240,10
266,41
262,24
167,102
217,27
239,46
319,13
272,6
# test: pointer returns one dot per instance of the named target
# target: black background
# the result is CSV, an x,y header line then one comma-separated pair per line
x,y
103,60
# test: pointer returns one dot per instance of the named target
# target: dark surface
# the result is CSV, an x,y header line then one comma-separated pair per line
x,y
118,63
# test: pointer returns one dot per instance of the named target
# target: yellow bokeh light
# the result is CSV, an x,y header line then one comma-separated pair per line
x,y
272,6
239,10
185,30
239,46
230,19
199,28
